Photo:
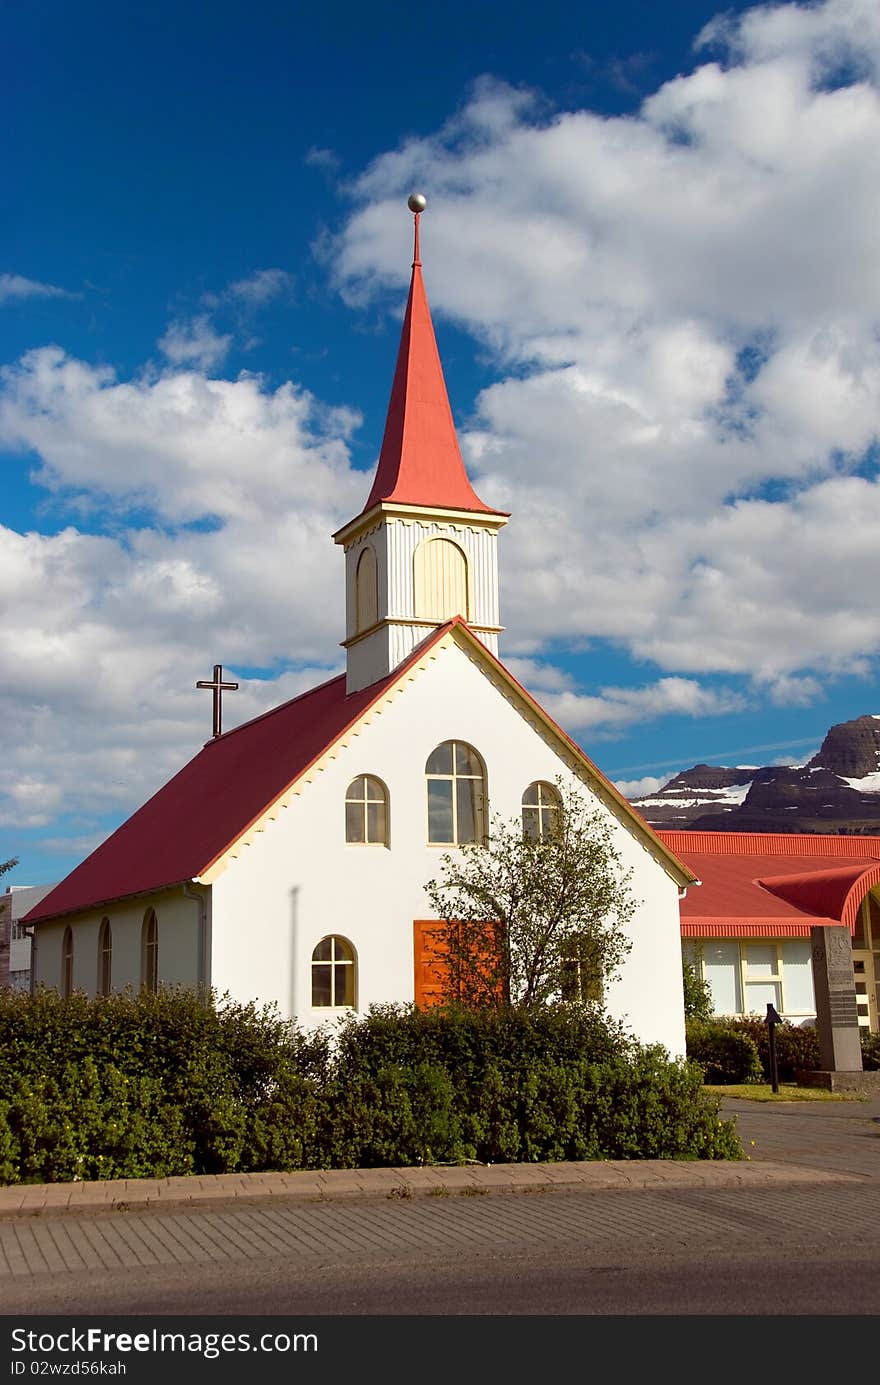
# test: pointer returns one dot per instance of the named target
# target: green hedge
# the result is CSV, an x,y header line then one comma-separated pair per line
x,y
718,1046
152,1086
724,1052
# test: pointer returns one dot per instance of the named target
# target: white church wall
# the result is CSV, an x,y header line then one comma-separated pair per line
x,y
177,919
299,881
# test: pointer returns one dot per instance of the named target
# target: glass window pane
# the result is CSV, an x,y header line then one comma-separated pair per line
x,y
797,978
721,970
760,995
467,791
440,810
322,951
760,959
342,951
549,821
374,790
355,790
530,797
354,822
376,822
321,985
530,824
440,760
466,760
344,984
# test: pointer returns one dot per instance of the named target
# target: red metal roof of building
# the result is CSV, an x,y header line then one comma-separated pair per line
x,y
199,814
420,462
757,884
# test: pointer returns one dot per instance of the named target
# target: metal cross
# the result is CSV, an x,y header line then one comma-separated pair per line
x,y
219,688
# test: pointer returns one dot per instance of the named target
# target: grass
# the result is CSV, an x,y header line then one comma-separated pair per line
x,y
761,1091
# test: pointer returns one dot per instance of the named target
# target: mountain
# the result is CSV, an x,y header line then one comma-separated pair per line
x,y
837,791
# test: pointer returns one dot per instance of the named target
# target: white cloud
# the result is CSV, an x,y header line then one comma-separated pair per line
x,y
195,343
683,306
261,286
641,788
14,287
682,309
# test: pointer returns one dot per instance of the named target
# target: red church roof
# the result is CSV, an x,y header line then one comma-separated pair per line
x,y
420,462
757,884
193,819
198,815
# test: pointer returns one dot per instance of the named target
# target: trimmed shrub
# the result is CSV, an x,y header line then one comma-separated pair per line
x,y
870,1051
797,1046
726,1055
131,1087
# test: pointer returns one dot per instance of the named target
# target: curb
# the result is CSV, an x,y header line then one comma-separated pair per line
x,y
404,1184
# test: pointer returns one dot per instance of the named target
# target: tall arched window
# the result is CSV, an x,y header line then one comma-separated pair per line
x,y
366,583
441,577
540,810
456,795
150,952
105,957
334,974
366,811
67,962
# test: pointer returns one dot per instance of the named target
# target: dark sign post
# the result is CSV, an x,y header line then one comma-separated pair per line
x,y
772,1020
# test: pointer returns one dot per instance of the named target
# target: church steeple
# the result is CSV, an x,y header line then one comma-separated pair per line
x,y
424,548
420,462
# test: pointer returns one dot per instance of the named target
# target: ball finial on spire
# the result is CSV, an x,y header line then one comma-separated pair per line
x,y
417,203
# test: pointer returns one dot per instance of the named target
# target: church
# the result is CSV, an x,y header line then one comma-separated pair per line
x,y
287,861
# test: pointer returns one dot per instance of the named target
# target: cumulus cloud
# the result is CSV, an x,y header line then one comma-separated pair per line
x,y
14,287
641,788
681,310
195,343
261,286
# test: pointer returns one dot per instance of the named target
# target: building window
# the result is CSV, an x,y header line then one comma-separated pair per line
x,y
67,963
744,977
334,974
105,957
456,795
581,978
441,579
366,811
366,584
540,810
150,952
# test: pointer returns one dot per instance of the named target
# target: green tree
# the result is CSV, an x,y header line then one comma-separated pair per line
x,y
530,918
7,865
697,994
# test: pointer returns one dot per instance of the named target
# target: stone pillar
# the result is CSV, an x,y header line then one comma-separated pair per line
x,y
837,1019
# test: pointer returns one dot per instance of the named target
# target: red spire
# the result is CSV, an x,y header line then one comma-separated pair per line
x,y
420,462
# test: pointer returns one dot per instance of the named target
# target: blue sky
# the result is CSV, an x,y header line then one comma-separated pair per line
x,y
651,254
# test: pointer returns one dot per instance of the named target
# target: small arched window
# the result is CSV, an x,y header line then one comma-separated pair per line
x,y
456,795
441,576
150,952
334,974
366,811
105,957
540,810
366,582
67,963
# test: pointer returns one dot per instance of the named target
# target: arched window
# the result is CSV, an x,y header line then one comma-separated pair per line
x,y
334,974
540,810
441,577
456,795
366,811
67,962
150,952
366,584
105,957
